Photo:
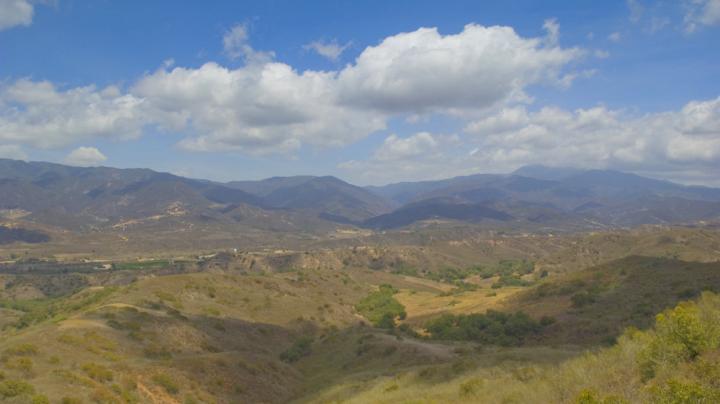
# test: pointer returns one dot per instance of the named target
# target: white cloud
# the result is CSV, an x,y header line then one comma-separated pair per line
x,y
702,13
269,107
329,50
422,155
258,109
85,157
615,37
682,145
426,72
603,138
422,144
553,31
11,151
36,113
236,45
15,13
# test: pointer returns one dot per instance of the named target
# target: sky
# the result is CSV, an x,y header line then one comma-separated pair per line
x,y
372,92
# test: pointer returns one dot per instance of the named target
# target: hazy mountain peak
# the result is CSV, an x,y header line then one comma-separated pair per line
x,y
542,172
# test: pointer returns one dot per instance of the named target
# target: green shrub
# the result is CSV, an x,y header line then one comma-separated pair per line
x,y
510,280
40,399
14,388
21,350
98,372
675,391
493,327
300,348
682,334
379,305
387,321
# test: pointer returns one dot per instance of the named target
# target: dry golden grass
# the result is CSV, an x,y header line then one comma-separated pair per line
x,y
421,306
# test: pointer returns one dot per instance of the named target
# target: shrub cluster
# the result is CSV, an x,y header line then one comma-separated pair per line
x,y
381,308
300,348
509,271
493,327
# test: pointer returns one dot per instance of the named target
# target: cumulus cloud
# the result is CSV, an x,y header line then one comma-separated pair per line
x,y
600,137
329,50
422,144
682,145
85,157
422,155
426,72
702,13
15,13
615,37
270,107
39,114
258,109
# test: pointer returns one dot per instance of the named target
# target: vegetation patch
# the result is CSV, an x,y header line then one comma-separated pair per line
x,y
300,348
14,388
381,308
493,327
141,265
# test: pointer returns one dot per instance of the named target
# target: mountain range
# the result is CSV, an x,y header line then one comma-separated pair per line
x,y
101,198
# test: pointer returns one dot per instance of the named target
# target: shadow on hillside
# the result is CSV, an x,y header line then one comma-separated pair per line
x,y
602,301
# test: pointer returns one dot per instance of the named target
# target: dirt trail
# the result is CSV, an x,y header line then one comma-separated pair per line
x,y
81,323
138,308
440,351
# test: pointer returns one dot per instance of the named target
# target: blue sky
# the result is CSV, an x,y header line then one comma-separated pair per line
x,y
366,91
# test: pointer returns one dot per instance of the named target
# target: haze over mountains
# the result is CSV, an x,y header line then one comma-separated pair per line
x,y
82,199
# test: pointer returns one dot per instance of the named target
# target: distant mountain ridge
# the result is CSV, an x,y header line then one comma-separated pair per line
x,y
84,199
566,196
327,196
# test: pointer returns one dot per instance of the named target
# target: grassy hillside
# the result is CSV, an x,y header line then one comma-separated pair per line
x,y
478,320
677,361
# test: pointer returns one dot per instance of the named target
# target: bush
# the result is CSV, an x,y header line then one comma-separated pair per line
x,y
675,391
14,388
381,308
21,350
682,334
493,327
98,372
300,348
510,280
40,399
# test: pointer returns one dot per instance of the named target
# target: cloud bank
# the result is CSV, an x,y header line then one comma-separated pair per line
x,y
481,77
